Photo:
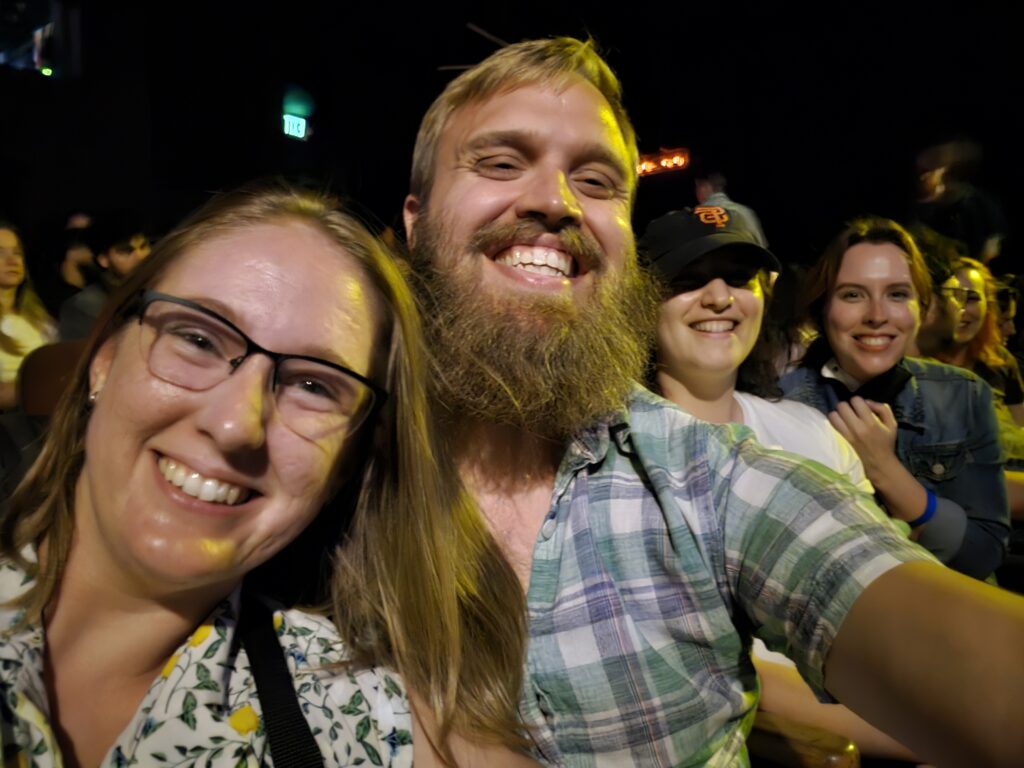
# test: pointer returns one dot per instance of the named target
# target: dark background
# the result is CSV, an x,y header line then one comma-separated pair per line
x,y
816,112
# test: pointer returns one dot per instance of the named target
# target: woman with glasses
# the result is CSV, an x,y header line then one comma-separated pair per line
x,y
979,346
978,343
24,321
926,432
254,390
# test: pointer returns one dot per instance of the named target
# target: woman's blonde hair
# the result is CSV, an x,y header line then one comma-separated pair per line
x,y
26,301
987,344
419,584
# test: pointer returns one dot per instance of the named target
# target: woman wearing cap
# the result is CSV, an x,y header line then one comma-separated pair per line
x,y
186,458
708,359
926,432
710,363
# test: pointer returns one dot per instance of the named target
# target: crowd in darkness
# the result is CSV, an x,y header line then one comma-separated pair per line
x,y
571,493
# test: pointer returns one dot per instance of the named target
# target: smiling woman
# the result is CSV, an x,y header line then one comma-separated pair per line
x,y
978,346
710,359
255,388
926,432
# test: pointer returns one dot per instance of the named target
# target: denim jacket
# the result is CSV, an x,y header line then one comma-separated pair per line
x,y
949,440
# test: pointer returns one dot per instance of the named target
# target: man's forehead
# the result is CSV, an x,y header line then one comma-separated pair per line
x,y
540,109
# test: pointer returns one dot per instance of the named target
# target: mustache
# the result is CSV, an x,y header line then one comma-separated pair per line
x,y
491,238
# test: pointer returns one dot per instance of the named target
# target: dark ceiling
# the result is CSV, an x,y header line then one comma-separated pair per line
x,y
815,114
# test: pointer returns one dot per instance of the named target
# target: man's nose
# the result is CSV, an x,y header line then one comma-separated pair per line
x,y
235,411
549,198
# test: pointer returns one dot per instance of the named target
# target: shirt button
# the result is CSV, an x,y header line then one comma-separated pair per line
x,y
939,469
548,529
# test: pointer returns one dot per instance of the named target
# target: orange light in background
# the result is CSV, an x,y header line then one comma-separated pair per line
x,y
665,160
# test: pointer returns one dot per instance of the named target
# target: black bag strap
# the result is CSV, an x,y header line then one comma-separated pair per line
x,y
291,742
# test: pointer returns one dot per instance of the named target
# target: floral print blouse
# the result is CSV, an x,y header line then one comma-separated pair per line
x,y
203,710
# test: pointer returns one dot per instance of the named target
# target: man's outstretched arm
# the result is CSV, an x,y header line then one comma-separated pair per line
x,y
936,659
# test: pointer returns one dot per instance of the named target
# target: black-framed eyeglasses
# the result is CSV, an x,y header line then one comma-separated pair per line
x,y
193,347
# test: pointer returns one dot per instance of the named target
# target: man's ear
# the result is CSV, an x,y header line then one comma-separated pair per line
x,y
99,366
410,212
103,260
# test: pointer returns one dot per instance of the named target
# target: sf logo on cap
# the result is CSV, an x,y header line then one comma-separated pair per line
x,y
712,214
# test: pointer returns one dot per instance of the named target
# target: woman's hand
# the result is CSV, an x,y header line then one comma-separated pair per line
x,y
871,429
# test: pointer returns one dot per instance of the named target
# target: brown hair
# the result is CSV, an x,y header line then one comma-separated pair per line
x,y
420,583
821,278
554,61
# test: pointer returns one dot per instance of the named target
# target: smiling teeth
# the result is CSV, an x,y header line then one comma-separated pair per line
x,y
542,261
714,326
874,341
202,488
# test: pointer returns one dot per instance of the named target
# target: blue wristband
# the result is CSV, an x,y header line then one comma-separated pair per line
x,y
929,511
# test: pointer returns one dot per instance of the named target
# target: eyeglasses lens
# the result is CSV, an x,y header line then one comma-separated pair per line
x,y
195,351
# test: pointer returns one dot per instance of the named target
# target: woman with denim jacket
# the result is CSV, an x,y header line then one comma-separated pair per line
x,y
926,432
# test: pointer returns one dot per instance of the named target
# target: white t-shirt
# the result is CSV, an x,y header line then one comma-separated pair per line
x,y
800,429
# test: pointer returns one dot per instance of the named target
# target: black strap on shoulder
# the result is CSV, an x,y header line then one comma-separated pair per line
x,y
291,742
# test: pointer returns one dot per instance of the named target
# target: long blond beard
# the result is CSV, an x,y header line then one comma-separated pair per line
x,y
550,365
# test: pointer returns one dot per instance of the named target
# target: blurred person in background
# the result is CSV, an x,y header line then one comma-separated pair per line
x,y
24,321
978,346
977,343
950,203
119,244
1007,297
709,189
942,316
68,262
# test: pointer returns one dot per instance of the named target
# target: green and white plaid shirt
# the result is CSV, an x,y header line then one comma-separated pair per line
x,y
669,543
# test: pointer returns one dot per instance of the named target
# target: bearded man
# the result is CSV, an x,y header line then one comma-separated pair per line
x,y
651,546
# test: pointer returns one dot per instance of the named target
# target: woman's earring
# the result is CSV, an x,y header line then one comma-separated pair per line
x,y
93,396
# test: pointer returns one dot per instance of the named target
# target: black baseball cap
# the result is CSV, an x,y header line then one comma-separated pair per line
x,y
674,241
